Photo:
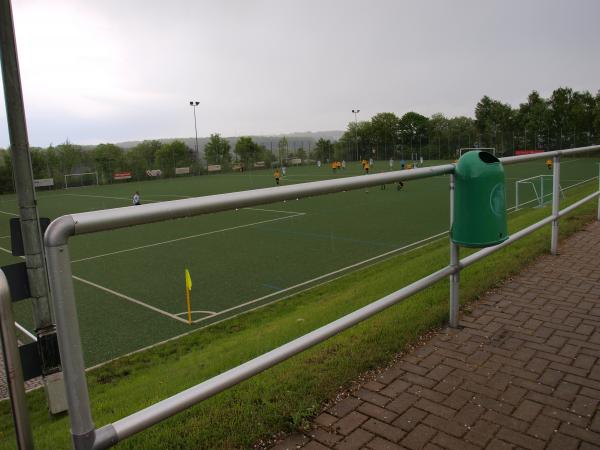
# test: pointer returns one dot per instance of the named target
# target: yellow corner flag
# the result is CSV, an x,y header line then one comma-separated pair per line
x,y
188,288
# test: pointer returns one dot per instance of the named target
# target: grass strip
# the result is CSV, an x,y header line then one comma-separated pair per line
x,y
283,397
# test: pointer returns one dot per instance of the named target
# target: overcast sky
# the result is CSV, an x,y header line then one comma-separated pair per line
x,y
113,70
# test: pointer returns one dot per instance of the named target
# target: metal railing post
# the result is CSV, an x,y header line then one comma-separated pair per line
x,y
598,191
555,204
12,366
454,263
69,341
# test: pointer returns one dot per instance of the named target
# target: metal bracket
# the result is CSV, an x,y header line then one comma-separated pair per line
x,y
16,237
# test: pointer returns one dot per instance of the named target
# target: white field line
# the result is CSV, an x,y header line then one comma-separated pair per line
x,y
210,313
118,294
4,237
208,233
327,275
9,213
130,299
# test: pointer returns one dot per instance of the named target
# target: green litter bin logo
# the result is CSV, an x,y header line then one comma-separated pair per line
x,y
497,201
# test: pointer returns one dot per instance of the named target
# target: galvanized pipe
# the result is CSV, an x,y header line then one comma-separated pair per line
x,y
12,366
555,204
454,260
545,155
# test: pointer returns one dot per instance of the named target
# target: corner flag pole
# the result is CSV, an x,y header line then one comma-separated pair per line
x,y
188,289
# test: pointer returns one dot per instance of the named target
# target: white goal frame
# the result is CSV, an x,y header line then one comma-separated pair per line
x,y
539,196
67,176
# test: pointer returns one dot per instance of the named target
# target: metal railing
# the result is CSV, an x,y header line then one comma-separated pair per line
x,y
86,436
12,367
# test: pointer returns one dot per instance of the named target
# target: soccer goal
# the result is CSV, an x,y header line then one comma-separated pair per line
x,y
534,191
81,179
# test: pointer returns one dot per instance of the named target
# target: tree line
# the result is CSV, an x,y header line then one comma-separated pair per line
x,y
566,119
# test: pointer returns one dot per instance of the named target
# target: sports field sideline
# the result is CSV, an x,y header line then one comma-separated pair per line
x,y
130,283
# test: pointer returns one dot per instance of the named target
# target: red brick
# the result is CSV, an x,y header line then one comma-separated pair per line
x,y
520,439
543,427
446,441
410,419
382,414
372,397
355,441
384,430
435,408
481,433
326,437
344,406
350,422
382,444
420,436
325,419
528,410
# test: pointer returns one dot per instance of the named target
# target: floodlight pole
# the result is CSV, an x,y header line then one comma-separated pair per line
x,y
194,103
356,111
28,213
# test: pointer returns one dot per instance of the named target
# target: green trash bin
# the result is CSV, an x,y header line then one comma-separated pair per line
x,y
479,201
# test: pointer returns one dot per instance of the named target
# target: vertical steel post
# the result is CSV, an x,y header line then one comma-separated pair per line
x,y
454,259
69,341
599,191
555,204
12,366
27,203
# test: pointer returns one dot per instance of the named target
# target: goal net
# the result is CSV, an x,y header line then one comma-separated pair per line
x,y
534,192
81,179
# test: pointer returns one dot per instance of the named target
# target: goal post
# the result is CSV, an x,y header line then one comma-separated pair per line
x,y
534,191
81,179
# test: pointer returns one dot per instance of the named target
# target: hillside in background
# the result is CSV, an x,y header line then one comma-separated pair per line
x,y
295,140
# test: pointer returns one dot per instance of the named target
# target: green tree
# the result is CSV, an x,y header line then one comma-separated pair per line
x,y
172,155
108,158
217,150
323,150
246,150
70,156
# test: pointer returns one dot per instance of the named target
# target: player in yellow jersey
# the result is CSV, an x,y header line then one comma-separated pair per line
x,y
276,174
366,167
549,164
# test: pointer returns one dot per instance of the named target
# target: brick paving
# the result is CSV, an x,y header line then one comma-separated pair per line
x,y
523,371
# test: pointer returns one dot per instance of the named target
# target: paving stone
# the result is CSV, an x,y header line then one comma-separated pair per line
x,y
379,443
376,412
384,430
419,437
349,423
520,439
344,406
354,441
410,419
292,442
528,410
327,438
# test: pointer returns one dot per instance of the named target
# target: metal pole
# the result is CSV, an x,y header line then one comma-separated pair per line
x,y
454,263
69,340
555,204
356,111
27,203
194,104
599,191
13,370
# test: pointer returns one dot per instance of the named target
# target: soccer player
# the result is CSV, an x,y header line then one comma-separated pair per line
x,y
276,174
333,166
549,164
366,167
136,199
391,163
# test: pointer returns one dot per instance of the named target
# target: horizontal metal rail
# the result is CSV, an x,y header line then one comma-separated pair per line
x,y
84,434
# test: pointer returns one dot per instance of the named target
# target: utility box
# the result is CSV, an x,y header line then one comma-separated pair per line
x,y
479,201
